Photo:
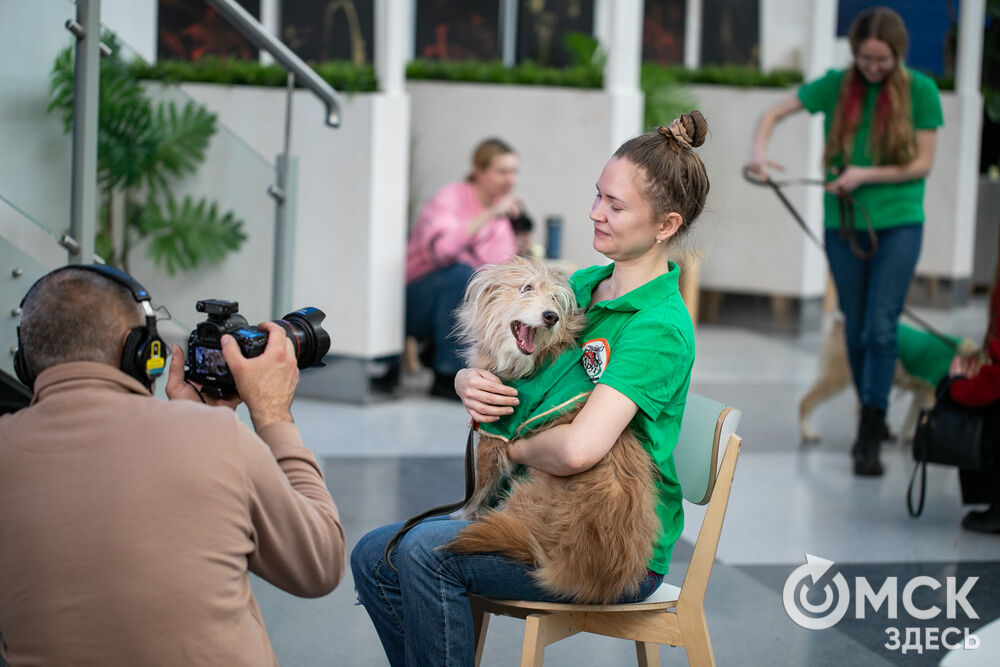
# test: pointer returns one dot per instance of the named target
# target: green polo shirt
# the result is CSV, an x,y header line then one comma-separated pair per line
x,y
642,344
888,204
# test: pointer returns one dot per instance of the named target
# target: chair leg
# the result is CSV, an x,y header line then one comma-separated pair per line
x,y
648,654
533,649
697,643
540,630
481,622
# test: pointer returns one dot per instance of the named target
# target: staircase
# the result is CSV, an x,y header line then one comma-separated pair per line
x,y
47,205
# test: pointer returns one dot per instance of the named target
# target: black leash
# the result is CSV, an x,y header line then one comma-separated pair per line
x,y
470,486
847,230
845,201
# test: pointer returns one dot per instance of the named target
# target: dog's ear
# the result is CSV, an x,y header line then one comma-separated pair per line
x,y
478,294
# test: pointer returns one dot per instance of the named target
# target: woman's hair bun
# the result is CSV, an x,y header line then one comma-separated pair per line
x,y
688,129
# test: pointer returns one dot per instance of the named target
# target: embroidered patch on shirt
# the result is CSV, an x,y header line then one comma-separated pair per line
x,y
595,357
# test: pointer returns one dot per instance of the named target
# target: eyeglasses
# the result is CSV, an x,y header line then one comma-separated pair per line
x,y
879,61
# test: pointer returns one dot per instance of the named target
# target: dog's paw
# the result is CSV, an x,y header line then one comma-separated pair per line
x,y
808,435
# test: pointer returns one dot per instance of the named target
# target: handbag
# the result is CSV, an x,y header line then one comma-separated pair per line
x,y
947,434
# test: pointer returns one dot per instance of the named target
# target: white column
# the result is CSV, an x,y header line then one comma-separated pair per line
x,y
270,18
822,30
619,29
508,32
692,34
393,43
970,103
388,189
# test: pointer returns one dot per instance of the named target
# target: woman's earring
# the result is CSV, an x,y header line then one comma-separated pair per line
x,y
659,241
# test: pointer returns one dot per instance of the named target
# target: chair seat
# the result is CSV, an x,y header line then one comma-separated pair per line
x,y
663,597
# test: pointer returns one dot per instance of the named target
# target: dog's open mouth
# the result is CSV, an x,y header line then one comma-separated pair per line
x,y
524,335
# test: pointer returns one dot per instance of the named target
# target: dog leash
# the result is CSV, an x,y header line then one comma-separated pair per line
x,y
847,229
470,487
845,201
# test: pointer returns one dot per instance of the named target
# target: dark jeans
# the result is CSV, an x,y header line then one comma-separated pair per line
x,y
871,294
421,612
430,303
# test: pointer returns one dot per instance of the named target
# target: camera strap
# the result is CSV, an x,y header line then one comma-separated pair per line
x,y
470,487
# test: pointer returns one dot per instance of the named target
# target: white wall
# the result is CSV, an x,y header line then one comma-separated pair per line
x,y
350,230
784,30
748,242
134,21
234,177
561,134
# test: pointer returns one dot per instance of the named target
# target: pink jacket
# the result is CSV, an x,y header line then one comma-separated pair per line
x,y
439,238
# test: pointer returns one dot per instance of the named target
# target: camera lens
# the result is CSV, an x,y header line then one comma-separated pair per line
x,y
304,327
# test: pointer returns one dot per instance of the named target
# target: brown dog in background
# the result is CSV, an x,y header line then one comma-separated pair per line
x,y
590,535
835,375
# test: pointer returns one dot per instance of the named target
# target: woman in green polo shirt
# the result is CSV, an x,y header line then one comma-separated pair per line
x,y
640,344
881,120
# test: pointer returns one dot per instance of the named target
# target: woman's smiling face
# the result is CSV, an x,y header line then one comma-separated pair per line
x,y
875,60
624,228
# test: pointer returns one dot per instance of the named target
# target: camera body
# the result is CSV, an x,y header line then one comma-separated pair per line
x,y
207,367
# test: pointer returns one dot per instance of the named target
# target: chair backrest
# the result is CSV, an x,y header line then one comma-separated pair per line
x,y
697,456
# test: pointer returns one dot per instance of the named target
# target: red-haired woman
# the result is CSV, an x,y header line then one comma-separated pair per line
x,y
880,120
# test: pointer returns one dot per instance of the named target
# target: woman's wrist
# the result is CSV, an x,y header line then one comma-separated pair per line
x,y
514,450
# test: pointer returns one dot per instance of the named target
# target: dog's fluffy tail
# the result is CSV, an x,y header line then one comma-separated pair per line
x,y
496,532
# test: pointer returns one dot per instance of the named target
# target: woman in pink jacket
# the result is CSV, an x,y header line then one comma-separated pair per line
x,y
464,226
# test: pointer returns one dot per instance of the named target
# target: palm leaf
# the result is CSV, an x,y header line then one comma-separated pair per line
x,y
181,139
181,236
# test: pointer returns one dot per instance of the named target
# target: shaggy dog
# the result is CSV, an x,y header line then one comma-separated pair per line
x,y
835,376
589,535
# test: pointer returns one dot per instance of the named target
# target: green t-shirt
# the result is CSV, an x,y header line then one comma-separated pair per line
x,y
888,204
641,344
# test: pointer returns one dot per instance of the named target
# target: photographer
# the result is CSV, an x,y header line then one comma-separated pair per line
x,y
129,525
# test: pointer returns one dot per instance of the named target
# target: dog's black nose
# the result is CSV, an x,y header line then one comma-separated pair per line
x,y
550,317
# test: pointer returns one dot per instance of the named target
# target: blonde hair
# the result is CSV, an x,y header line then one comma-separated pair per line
x,y
674,177
484,154
891,136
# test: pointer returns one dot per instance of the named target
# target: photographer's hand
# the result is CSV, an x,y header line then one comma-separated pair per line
x,y
266,383
179,388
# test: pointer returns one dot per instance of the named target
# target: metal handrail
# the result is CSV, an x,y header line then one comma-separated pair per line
x,y
250,28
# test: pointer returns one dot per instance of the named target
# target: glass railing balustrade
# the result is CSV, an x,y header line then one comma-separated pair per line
x,y
35,151
202,213
172,219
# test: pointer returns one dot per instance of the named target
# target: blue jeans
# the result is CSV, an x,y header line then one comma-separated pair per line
x,y
872,294
430,302
422,612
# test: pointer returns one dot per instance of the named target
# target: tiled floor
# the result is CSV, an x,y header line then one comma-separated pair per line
x,y
391,460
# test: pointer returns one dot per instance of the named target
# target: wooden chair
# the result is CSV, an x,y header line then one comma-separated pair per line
x,y
672,615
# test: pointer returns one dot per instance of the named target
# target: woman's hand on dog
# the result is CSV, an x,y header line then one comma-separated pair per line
x,y
484,396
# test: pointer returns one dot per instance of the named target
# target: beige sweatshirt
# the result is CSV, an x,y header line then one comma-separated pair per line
x,y
128,526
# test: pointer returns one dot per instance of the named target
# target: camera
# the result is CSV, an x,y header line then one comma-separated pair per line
x,y
205,364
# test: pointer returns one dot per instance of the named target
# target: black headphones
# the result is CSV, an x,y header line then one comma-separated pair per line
x,y
144,352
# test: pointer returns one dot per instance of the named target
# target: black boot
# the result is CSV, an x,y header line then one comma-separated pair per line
x,y
865,451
